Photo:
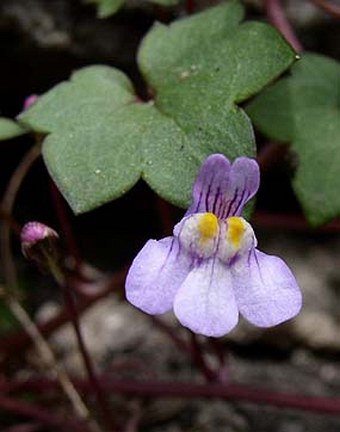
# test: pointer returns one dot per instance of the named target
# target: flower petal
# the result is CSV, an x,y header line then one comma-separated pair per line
x,y
210,185
244,183
222,188
266,291
155,276
205,302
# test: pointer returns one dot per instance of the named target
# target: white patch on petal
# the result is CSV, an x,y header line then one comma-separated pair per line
x,y
237,238
198,234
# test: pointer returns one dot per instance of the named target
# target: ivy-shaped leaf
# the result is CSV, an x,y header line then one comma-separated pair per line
x,y
102,139
304,110
10,129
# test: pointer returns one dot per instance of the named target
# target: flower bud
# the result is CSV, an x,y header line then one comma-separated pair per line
x,y
29,101
39,243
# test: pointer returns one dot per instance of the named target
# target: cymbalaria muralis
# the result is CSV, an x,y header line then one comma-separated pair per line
x,y
209,271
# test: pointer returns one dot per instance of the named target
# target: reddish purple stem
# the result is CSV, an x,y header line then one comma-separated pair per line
x,y
42,415
198,358
190,390
328,7
278,18
222,373
178,341
19,340
65,225
193,350
93,380
70,303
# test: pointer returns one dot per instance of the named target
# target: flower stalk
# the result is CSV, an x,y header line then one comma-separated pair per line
x,y
47,255
278,18
50,361
9,292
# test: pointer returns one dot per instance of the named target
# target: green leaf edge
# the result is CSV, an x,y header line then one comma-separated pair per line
x,y
12,129
81,210
296,71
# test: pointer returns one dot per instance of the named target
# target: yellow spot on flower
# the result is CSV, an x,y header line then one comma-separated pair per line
x,y
208,226
236,228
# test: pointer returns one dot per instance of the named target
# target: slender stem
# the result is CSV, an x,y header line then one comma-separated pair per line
x,y
232,392
178,341
218,349
43,416
65,225
12,223
7,205
48,357
191,390
20,340
278,18
102,403
328,7
199,359
193,349
10,274
222,374
70,304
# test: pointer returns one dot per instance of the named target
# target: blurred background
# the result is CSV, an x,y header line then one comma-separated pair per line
x,y
41,43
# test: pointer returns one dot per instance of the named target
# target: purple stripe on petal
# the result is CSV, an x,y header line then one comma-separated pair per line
x,y
266,291
224,189
243,185
205,302
229,203
210,184
155,276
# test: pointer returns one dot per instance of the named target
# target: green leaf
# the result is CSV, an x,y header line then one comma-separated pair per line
x,y
304,110
102,138
10,129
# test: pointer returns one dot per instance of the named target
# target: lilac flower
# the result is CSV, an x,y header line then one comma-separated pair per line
x,y
209,271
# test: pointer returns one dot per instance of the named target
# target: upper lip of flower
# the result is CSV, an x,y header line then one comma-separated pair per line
x,y
210,270
223,188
